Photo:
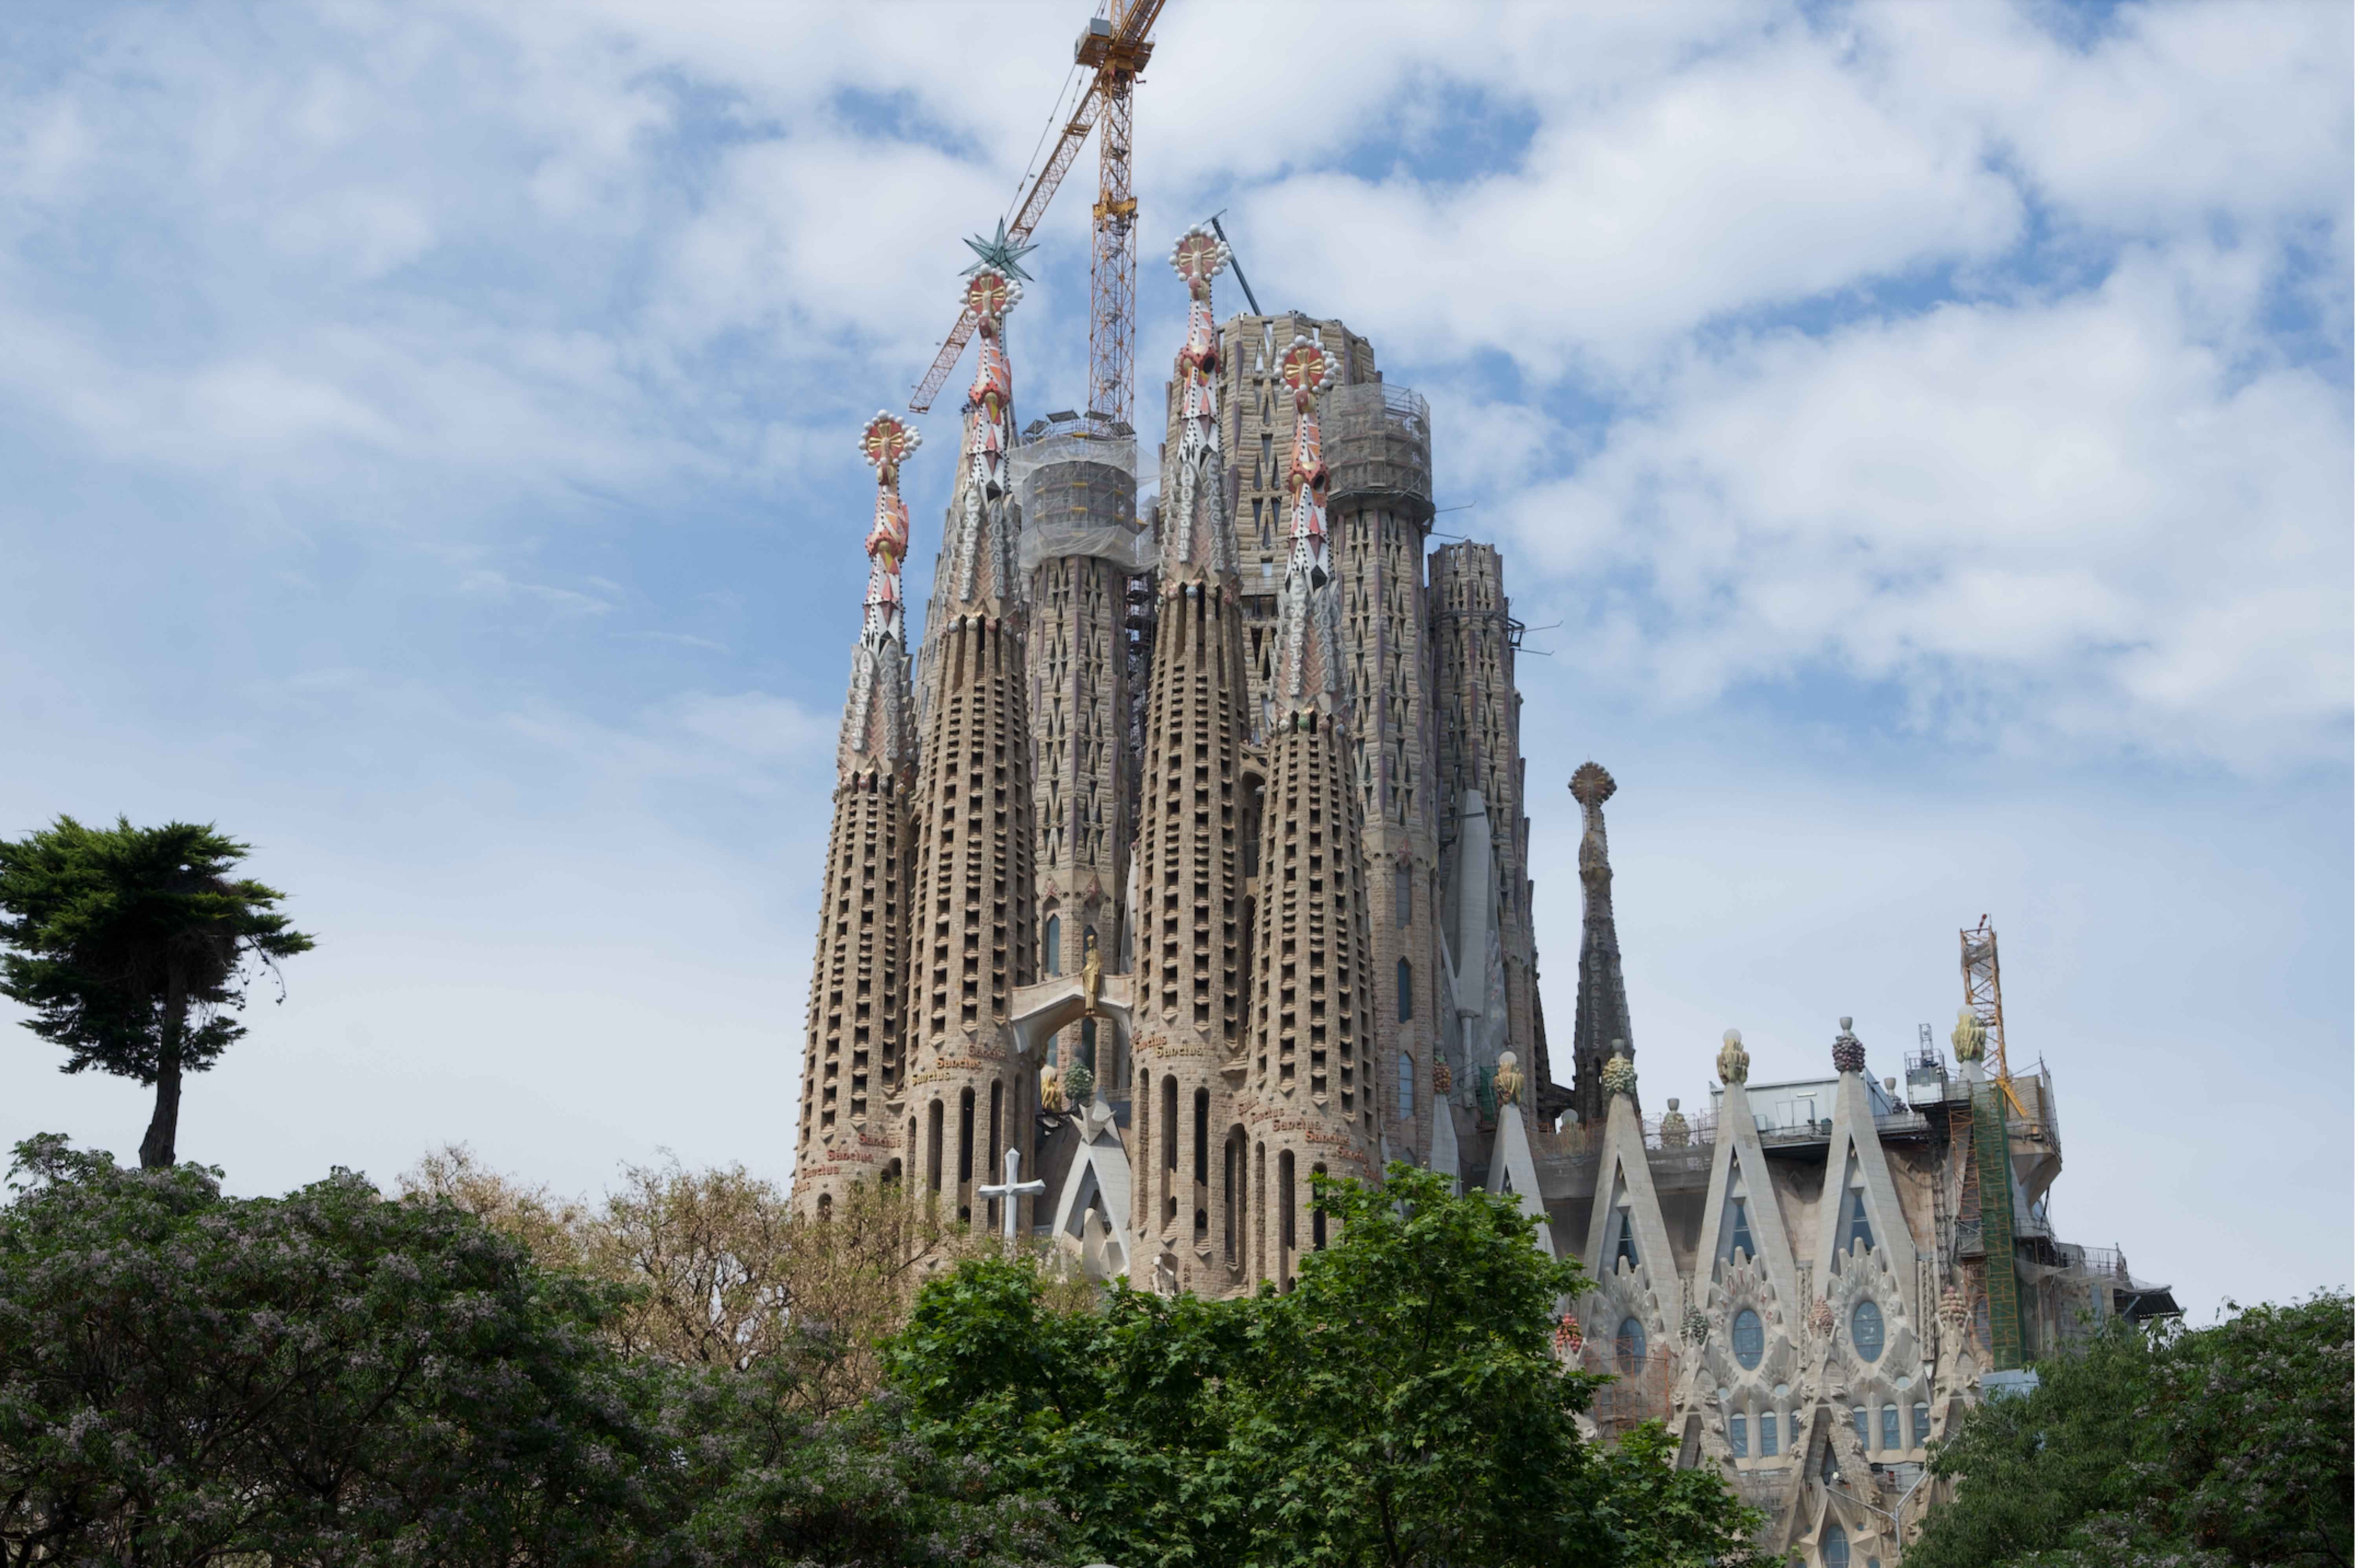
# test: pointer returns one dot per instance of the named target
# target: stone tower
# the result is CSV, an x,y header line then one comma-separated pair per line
x,y
1194,921
1081,554
1474,640
971,917
1600,1027
1307,1105
851,1057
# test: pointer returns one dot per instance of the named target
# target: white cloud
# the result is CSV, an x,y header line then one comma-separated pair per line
x,y
2072,507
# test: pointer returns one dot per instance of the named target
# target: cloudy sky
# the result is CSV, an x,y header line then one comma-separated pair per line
x,y
1923,433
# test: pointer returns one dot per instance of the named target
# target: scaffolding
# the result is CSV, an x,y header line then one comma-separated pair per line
x,y
1080,496
1379,447
1977,955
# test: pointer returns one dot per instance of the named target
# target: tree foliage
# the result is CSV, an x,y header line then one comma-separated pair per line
x,y
132,946
1402,1405
2205,1448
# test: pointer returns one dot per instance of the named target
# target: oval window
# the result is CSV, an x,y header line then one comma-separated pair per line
x,y
1629,1345
1866,1331
1744,1333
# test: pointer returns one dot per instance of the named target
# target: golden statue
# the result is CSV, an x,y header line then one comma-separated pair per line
x,y
1092,975
1509,1082
1735,1062
1970,1038
1051,1089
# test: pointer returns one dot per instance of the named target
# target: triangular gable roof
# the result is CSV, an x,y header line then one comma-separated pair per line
x,y
1739,1153
1513,1170
1855,1146
1622,1167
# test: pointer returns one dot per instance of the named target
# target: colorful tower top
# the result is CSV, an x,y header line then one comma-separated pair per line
x,y
1198,545
981,557
885,443
1309,676
878,740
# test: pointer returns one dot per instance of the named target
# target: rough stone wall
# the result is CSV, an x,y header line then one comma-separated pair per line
x,y
1082,767
1192,939
1480,745
974,928
853,1035
1308,1103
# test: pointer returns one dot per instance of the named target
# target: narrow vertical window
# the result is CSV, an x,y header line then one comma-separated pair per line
x,y
1835,1549
1793,1429
1051,946
1890,1428
1768,1435
1860,1233
1738,1441
1317,1212
1405,980
1629,1346
1739,1235
1923,1424
1407,1086
1625,1249
1858,1425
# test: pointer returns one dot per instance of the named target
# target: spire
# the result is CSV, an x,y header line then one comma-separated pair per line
x,y
981,547
1600,1027
877,736
1308,677
1198,544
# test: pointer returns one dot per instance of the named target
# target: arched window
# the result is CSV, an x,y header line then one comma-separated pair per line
x,y
1407,985
1629,1345
1835,1549
1890,1424
1739,1234
1866,1335
1745,1336
1051,946
1769,1434
1859,1232
826,1207
1407,1086
1739,1441
1858,1425
1793,1429
1625,1247
1923,1425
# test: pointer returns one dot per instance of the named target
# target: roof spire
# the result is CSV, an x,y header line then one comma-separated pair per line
x,y
1308,676
884,443
1197,542
1600,1025
981,557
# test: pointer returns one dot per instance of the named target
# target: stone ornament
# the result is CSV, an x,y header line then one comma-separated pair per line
x,y
1822,1319
1675,1131
1735,1062
1441,1079
1970,1039
1509,1082
1695,1326
1850,1052
1051,1089
1619,1076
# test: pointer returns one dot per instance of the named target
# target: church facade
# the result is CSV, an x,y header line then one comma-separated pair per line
x,y
1188,856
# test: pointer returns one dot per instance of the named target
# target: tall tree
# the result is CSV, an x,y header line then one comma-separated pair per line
x,y
133,948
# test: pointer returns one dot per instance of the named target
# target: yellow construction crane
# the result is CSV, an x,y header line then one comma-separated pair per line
x,y
1116,46
1977,956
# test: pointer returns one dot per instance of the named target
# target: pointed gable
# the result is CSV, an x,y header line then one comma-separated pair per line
x,y
1740,1175
1625,1197
1859,1194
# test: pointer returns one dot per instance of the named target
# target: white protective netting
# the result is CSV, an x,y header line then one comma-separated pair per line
x,y
1080,496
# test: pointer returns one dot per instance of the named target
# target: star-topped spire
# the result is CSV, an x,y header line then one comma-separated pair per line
x,y
1307,631
1000,253
981,554
1197,542
886,441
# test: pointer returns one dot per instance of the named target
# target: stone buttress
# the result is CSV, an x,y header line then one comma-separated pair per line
x,y
971,919
853,1063
1307,1103
1194,920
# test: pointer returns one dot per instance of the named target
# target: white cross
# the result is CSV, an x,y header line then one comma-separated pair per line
x,y
1012,1189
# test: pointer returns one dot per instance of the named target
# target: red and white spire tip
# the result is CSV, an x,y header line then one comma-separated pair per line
x,y
885,442
1308,370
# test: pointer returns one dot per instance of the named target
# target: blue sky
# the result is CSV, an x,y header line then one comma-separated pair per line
x,y
429,433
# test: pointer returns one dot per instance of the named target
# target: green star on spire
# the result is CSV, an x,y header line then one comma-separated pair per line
x,y
1000,254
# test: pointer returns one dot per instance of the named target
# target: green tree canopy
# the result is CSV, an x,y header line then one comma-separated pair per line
x,y
2205,1448
132,946
1402,1405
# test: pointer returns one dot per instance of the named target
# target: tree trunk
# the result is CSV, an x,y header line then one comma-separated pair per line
x,y
157,1150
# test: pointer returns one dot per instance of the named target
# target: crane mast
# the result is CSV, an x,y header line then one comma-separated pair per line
x,y
1115,46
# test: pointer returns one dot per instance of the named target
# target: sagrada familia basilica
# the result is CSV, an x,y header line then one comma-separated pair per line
x,y
1189,857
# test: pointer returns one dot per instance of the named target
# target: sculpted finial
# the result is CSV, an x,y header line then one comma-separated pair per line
x,y
1619,1075
1850,1051
885,442
1592,786
1735,1062
1509,1082
1970,1036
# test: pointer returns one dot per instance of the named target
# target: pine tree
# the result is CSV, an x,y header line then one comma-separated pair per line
x,y
133,948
